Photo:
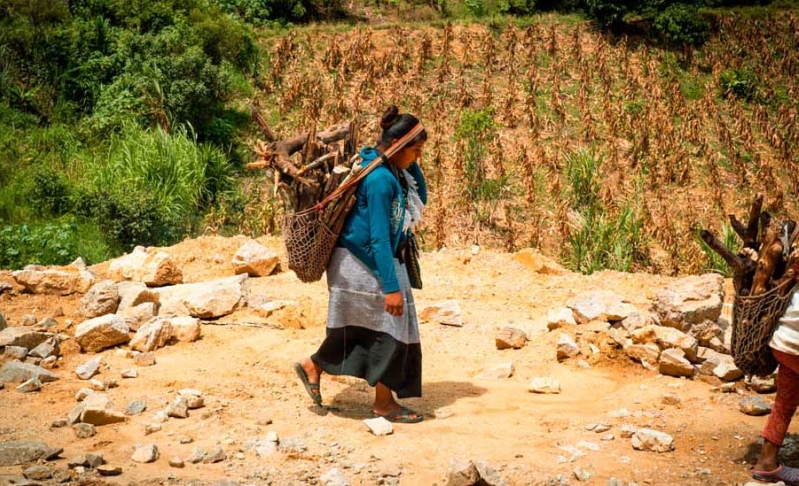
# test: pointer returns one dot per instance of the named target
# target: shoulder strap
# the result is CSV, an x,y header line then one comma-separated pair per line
x,y
355,179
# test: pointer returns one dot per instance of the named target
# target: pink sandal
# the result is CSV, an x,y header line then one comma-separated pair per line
x,y
789,475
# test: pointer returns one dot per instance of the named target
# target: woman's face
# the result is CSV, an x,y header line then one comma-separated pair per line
x,y
407,156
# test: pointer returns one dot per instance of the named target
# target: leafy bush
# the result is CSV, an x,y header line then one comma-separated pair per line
x,y
740,83
681,24
50,194
477,8
582,172
55,243
517,7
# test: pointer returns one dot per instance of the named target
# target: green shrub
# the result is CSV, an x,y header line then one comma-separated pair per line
x,y
50,194
603,241
740,83
55,243
582,173
477,8
681,24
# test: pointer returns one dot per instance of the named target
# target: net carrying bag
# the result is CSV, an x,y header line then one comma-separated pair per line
x,y
754,319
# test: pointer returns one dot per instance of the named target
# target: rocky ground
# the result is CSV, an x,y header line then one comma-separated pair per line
x,y
609,379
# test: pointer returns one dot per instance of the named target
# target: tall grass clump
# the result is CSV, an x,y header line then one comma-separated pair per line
x,y
152,186
600,238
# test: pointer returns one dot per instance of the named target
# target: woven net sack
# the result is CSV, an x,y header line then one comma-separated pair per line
x,y
309,243
753,322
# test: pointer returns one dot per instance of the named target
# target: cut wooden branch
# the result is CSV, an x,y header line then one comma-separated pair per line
x,y
318,162
335,133
748,232
769,257
259,120
742,266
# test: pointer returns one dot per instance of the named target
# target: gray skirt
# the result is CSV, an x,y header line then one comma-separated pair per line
x,y
363,339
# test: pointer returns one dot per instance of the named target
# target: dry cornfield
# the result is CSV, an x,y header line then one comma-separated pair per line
x,y
675,150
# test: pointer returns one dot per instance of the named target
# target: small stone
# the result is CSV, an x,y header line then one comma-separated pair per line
x,y
333,478
652,440
214,455
671,399
179,408
145,359
83,393
75,413
176,462
673,363
762,385
379,426
608,437
196,456
510,337
497,372
602,428
443,413
47,323
755,405
46,349
145,454
16,372
38,473
544,385
89,368
159,417
94,460
98,410
97,385
136,407
152,428
49,362
447,313
561,317
194,402
581,474
590,446
32,385
131,373
84,431
107,470
186,440
17,353
272,436
620,413
462,473
77,461
27,320
583,364
293,446
567,348
59,423
628,430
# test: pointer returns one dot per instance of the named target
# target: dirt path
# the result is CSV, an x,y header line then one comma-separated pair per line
x,y
243,366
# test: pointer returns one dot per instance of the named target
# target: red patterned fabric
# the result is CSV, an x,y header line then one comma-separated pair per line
x,y
787,397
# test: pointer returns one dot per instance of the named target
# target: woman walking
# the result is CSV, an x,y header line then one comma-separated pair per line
x,y
372,330
785,348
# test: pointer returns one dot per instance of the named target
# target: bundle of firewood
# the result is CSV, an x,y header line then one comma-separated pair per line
x,y
769,256
310,165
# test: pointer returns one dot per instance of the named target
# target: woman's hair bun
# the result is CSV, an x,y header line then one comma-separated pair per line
x,y
389,117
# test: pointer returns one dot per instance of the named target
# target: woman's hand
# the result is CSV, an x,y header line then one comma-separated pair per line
x,y
394,303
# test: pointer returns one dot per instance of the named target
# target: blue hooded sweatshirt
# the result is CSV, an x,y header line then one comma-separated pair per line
x,y
373,229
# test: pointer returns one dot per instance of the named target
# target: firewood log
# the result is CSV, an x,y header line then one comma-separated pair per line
x,y
769,256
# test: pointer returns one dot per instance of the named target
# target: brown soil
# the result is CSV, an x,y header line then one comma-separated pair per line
x,y
243,366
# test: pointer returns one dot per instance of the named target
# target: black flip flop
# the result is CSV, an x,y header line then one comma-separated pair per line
x,y
309,387
402,416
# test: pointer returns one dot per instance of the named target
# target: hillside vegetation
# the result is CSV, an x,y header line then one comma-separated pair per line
x,y
126,124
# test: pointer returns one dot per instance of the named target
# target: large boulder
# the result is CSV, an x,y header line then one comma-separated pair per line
x,y
101,299
212,299
152,335
690,300
21,452
54,280
600,305
665,338
255,260
154,268
16,372
447,312
24,337
101,332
